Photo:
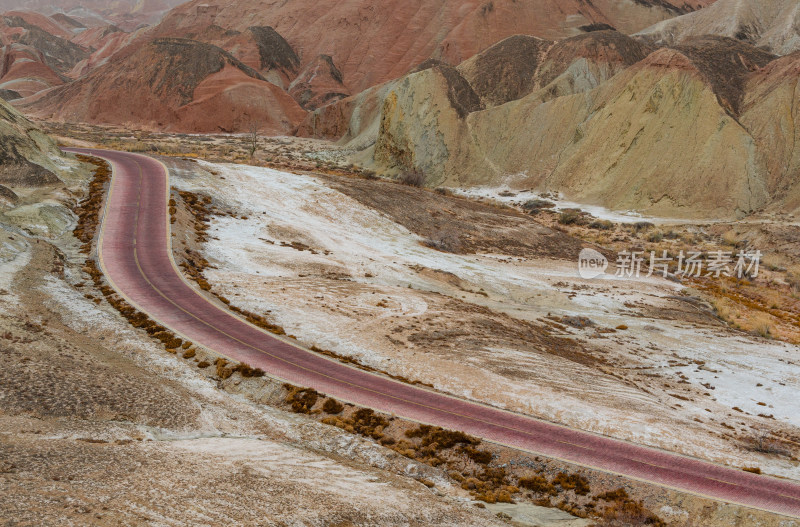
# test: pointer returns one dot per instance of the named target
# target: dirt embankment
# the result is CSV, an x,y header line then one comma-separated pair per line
x,y
465,225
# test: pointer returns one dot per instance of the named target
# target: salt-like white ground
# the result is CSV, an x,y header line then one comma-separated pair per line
x,y
376,258
504,194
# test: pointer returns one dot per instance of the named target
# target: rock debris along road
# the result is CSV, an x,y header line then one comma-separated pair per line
x,y
135,256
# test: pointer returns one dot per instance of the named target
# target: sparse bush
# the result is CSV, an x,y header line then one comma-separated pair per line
x,y
762,324
534,206
614,495
245,370
223,372
481,457
572,217
574,482
627,514
765,444
577,321
640,226
602,225
301,399
537,484
441,437
730,238
622,511
332,406
413,178
367,423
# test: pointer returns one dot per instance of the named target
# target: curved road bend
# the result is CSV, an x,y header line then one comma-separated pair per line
x,y
135,256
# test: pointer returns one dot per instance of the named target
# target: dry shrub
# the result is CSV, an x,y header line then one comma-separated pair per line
x,y
247,371
793,278
731,238
613,495
537,484
479,456
491,485
223,372
332,406
764,443
602,225
188,354
534,206
301,399
367,423
172,342
762,324
622,511
723,309
200,209
628,513
414,178
574,482
88,210
258,320
137,319
442,438
572,217
641,226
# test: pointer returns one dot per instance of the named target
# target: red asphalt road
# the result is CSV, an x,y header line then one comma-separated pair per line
x,y
135,256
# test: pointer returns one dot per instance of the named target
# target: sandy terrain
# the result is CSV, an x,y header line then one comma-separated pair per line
x,y
346,277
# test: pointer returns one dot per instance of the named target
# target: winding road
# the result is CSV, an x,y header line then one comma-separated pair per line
x,y
135,255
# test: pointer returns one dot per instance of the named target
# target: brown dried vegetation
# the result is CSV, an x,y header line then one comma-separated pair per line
x,y
88,210
621,510
224,371
350,360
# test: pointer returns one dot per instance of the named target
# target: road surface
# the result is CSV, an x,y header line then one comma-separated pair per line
x,y
135,255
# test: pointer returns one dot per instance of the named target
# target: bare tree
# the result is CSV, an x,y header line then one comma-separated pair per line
x,y
253,135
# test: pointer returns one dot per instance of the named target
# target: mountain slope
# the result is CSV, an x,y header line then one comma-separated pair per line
x,y
705,129
36,53
319,83
770,113
28,157
173,84
374,41
773,24
127,14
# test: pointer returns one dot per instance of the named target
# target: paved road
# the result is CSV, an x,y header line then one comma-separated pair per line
x,y
136,258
